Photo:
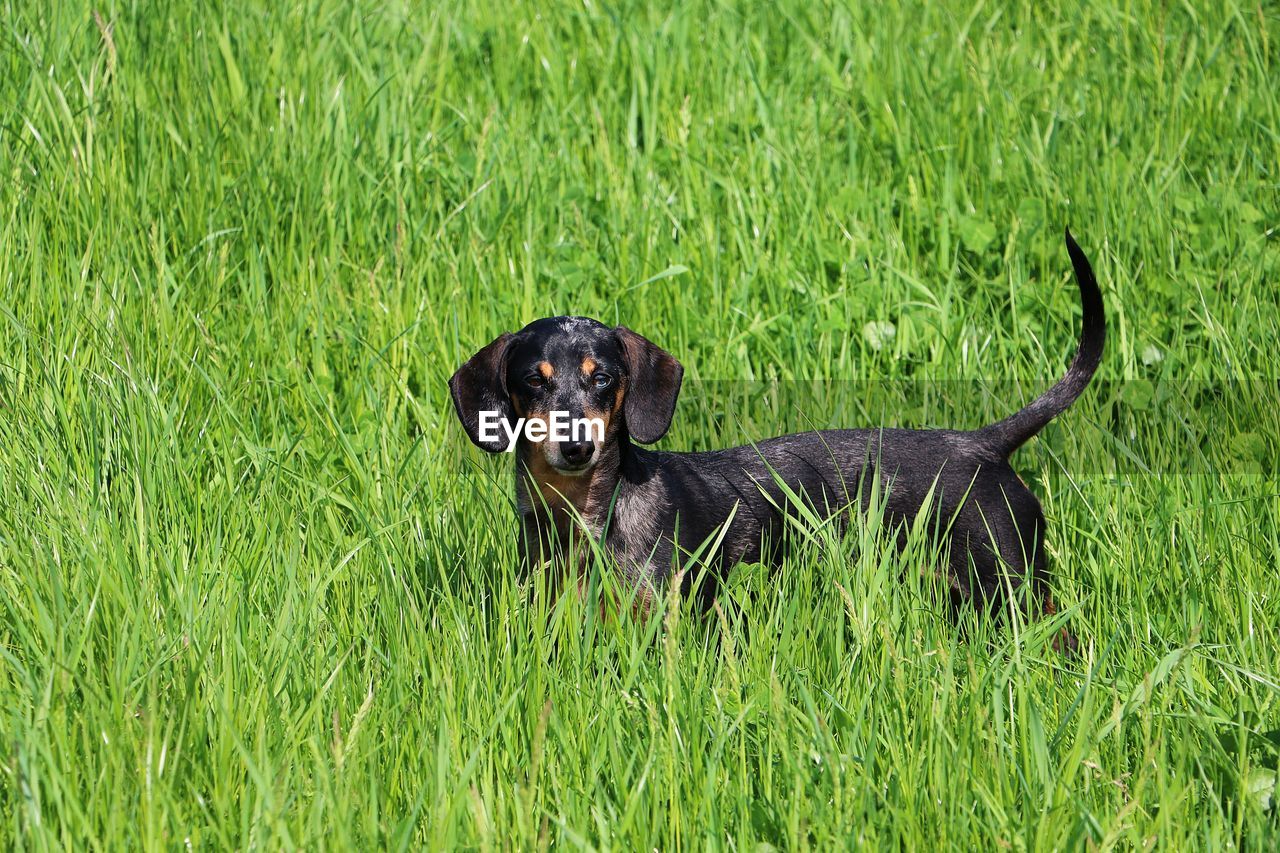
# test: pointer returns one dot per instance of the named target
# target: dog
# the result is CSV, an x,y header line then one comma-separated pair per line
x,y
651,509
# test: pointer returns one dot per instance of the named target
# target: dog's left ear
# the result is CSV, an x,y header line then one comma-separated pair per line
x,y
652,387
481,385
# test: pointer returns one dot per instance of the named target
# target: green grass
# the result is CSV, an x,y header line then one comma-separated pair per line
x,y
257,591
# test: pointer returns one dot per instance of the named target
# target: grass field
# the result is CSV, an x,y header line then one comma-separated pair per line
x,y
256,590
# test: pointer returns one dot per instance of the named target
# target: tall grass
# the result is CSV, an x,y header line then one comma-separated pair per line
x,y
257,591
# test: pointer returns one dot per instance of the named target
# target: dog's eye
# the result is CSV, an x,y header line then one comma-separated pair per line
x,y
602,380
533,380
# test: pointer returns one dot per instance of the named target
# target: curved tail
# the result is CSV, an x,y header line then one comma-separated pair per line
x,y
1009,434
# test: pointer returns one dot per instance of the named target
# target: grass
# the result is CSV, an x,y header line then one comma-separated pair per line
x,y
257,591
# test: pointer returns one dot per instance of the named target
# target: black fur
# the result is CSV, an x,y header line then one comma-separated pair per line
x,y
648,503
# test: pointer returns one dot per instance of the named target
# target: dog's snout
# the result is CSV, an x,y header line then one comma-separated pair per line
x,y
576,452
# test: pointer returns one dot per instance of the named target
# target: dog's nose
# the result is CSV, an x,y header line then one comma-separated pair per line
x,y
576,452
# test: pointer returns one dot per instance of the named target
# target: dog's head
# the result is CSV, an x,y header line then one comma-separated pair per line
x,y
610,382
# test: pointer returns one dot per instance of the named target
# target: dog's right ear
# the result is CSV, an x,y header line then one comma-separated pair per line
x,y
481,385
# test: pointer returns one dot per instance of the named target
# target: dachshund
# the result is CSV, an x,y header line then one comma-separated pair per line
x,y
652,509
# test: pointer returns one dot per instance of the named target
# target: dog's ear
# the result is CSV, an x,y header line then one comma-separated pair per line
x,y
481,385
652,387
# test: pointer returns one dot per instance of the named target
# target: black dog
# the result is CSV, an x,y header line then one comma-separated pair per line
x,y
644,504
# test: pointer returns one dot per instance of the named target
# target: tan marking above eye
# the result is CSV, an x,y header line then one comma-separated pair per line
x,y
545,368
588,365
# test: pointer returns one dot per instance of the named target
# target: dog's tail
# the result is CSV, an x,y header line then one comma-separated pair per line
x,y
1009,434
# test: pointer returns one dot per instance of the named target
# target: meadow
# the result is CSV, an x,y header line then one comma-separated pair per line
x,y
257,590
